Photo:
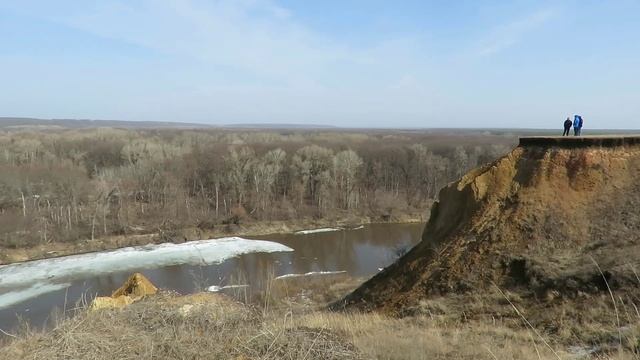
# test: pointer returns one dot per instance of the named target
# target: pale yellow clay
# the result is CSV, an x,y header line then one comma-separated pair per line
x,y
135,288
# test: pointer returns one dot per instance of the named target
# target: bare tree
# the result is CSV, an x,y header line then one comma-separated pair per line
x,y
313,164
346,165
239,163
461,160
265,173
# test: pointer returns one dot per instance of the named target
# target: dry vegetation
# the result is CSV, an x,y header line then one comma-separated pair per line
x,y
293,324
69,186
195,327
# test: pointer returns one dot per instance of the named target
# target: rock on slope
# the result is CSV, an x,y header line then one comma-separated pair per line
x,y
537,221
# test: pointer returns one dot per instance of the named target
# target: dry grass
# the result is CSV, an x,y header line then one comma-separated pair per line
x,y
208,326
380,337
202,326
290,323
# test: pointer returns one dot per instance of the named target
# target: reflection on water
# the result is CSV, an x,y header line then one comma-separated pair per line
x,y
359,252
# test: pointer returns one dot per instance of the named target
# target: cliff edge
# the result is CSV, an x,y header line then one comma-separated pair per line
x,y
556,217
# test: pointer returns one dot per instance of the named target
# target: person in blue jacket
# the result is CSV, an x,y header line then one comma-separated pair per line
x,y
577,125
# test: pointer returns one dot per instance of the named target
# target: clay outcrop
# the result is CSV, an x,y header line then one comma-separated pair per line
x,y
135,288
554,216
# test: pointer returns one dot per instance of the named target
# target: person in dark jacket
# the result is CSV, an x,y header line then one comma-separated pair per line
x,y
567,126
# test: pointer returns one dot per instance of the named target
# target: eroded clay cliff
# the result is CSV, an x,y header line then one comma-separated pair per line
x,y
554,215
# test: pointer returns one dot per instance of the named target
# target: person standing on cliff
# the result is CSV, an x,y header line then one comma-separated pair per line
x,y
577,125
567,127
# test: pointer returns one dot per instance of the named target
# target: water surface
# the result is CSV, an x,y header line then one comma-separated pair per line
x,y
360,253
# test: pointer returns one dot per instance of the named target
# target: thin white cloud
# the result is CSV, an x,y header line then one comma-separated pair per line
x,y
512,33
255,36
294,70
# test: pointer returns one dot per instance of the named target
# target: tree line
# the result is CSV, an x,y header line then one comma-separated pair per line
x,y
67,185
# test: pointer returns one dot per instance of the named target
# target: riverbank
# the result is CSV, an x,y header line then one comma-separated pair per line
x,y
257,228
291,322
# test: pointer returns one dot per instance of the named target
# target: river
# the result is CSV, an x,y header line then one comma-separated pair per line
x,y
360,252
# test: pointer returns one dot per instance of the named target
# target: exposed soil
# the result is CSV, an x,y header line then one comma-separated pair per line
x,y
551,224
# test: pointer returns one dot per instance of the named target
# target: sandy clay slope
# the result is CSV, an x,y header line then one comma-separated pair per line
x,y
535,222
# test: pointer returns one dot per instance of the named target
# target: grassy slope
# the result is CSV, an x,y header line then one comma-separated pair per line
x,y
289,322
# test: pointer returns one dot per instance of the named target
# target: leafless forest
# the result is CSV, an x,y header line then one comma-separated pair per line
x,y
63,185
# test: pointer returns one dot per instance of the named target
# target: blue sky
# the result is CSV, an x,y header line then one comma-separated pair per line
x,y
360,63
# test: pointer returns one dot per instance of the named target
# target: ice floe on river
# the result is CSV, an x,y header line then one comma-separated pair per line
x,y
315,231
312,273
17,296
21,281
323,230
215,288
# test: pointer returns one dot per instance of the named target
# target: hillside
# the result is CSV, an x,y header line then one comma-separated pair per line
x,y
550,222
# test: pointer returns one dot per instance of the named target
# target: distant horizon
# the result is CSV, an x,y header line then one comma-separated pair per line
x,y
292,125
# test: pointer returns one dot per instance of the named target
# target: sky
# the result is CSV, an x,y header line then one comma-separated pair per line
x,y
351,63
